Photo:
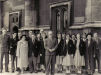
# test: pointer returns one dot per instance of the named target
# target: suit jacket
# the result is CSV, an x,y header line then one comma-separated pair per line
x,y
71,47
97,47
42,50
13,46
89,49
32,47
50,44
5,43
61,48
39,47
82,47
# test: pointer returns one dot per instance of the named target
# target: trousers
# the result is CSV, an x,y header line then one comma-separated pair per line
x,y
50,64
2,54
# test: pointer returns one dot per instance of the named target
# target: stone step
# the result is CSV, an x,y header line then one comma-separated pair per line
x,y
76,74
96,74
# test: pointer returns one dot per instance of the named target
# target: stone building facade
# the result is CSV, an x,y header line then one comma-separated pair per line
x,y
71,16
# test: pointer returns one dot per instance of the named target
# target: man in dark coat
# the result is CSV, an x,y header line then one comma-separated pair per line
x,y
13,47
50,46
4,49
31,53
97,44
89,54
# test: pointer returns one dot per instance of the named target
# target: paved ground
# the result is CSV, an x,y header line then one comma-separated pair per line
x,y
27,74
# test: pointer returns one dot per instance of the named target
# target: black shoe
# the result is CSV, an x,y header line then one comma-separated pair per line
x,y
36,71
31,71
6,71
43,71
12,71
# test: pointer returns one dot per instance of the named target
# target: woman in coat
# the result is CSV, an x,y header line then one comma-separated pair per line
x,y
58,53
66,59
22,53
79,58
42,53
38,50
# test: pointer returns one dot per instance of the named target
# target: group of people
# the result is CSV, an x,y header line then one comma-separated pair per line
x,y
48,53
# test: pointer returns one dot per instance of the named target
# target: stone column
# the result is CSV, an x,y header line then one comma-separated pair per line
x,y
0,16
30,13
88,11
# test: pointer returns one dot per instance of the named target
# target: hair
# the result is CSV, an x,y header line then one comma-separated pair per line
x,y
4,29
23,36
89,34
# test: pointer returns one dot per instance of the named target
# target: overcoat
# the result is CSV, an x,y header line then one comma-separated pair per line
x,y
22,54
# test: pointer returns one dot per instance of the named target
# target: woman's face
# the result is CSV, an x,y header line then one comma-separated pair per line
x,y
67,36
23,38
89,37
78,36
43,35
59,36
84,36
38,36
19,34
63,36
73,36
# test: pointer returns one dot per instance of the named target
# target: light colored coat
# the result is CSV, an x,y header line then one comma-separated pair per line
x,y
22,54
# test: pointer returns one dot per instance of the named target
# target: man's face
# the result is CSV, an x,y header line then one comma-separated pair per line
x,y
73,36
33,36
95,35
14,35
50,34
30,32
4,31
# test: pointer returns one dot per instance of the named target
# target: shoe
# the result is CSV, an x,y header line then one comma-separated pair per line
x,y
67,71
22,72
36,71
31,71
0,71
6,71
12,71
79,71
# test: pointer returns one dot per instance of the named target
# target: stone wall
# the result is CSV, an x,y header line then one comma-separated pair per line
x,y
11,6
78,9
0,16
31,13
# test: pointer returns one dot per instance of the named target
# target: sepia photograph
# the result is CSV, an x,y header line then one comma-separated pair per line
x,y
50,37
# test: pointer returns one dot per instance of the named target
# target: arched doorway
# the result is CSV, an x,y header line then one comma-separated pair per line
x,y
60,16
15,29
14,21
